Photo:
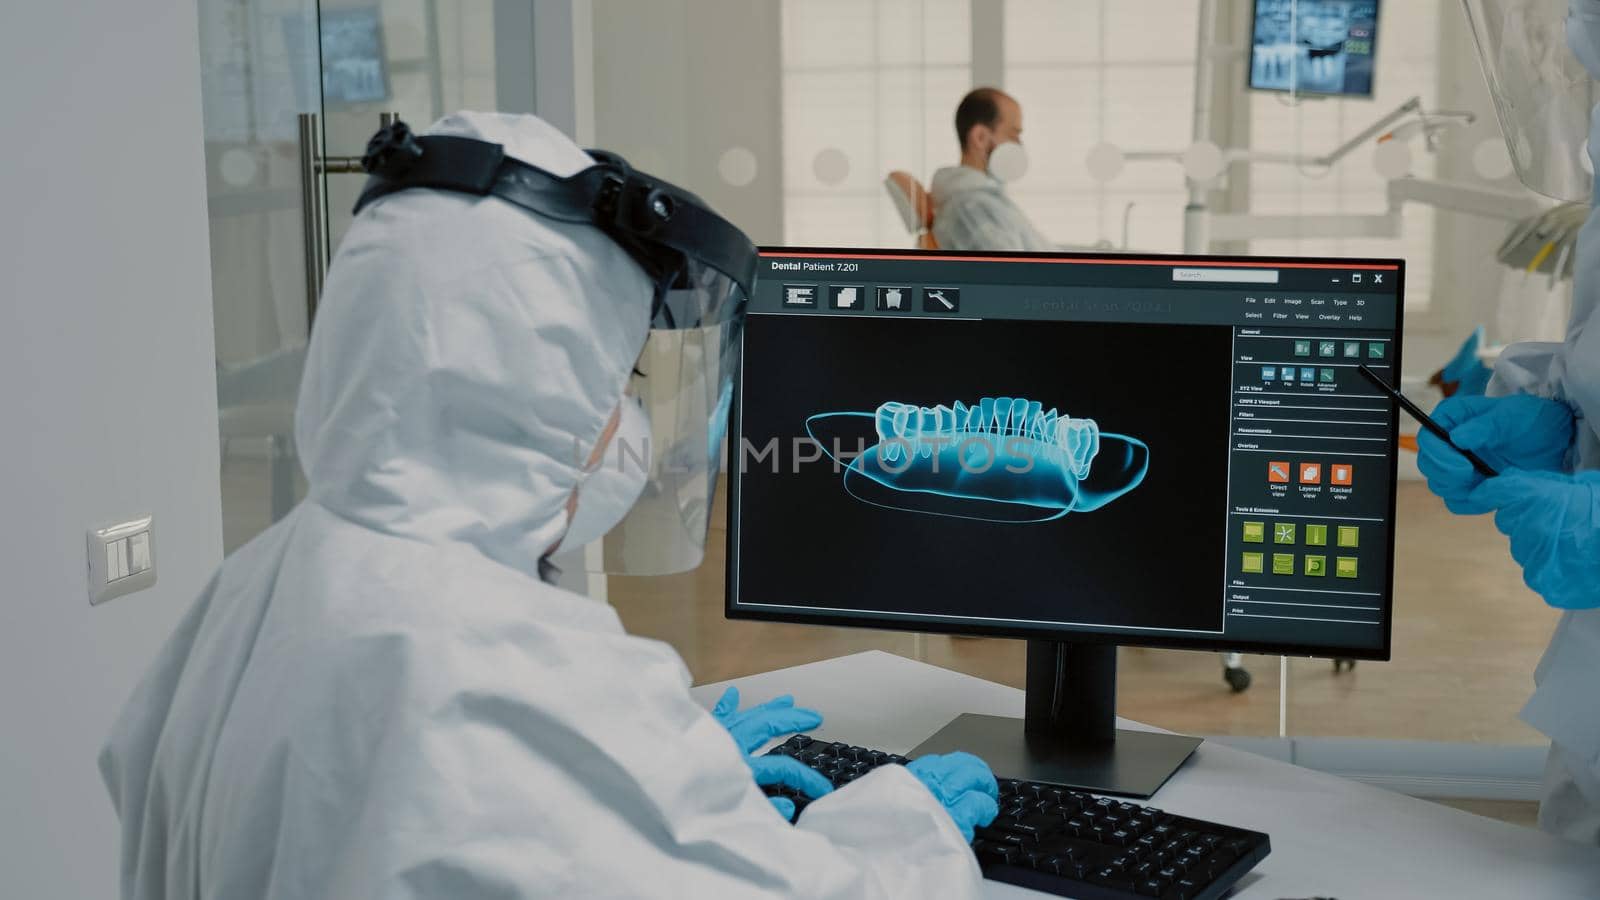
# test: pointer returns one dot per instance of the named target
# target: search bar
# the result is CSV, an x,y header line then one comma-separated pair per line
x,y
1238,276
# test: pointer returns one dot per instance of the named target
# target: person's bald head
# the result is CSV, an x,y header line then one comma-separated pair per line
x,y
986,118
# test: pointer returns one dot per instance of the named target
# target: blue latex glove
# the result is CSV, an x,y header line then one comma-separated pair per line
x,y
1520,432
964,784
1553,520
755,726
1466,371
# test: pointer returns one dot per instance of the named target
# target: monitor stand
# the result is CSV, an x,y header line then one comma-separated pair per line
x,y
1070,736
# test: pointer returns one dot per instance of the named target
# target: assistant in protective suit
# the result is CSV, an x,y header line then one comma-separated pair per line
x,y
1539,426
383,696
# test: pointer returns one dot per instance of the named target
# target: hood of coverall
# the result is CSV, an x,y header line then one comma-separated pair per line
x,y
466,357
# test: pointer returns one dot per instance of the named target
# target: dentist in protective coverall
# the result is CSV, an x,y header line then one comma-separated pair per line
x,y
382,695
1539,426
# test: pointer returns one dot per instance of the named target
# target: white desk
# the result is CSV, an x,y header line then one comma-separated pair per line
x,y
1330,837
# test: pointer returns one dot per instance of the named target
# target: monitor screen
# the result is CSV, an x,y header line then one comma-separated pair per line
x,y
1164,451
1314,46
353,69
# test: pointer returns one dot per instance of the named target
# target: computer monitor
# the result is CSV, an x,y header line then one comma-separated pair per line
x,y
1317,47
1081,451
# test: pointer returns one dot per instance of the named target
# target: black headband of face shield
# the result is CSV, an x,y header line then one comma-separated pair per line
x,y
663,227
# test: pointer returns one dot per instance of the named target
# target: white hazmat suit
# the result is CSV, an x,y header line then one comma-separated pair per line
x,y
1564,705
379,698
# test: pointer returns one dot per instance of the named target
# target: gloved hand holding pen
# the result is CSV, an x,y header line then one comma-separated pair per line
x,y
1519,431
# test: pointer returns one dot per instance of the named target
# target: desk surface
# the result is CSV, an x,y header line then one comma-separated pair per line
x,y
1331,837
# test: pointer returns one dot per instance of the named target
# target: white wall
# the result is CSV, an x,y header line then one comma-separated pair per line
x,y
107,396
678,82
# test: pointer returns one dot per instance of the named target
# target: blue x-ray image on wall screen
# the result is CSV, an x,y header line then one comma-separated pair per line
x,y
1001,459
1314,46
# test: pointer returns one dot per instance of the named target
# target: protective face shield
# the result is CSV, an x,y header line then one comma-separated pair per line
x,y
702,268
1008,161
1543,95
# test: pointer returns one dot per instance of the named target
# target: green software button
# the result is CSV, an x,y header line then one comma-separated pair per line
x,y
1283,563
1255,532
1349,536
1345,567
1283,532
1254,563
1317,535
1317,566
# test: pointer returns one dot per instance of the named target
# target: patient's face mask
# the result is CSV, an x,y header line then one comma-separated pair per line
x,y
612,485
1008,161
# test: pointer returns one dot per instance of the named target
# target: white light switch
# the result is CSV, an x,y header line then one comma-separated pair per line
x,y
116,560
139,553
122,559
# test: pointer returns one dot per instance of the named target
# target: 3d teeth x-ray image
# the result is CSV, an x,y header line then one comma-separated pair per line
x,y
998,460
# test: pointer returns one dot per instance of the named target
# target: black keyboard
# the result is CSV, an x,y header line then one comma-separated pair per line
x,y
1066,842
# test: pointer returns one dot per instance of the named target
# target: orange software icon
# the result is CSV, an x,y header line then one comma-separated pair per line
x,y
1341,474
1310,473
1278,472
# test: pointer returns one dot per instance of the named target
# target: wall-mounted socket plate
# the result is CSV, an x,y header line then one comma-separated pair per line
x,y
122,559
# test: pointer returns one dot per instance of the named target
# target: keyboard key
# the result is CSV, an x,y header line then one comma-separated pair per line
x,y
1000,854
1152,887
1187,888
1213,866
1111,878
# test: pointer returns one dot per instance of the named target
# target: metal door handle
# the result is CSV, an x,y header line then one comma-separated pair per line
x,y
313,212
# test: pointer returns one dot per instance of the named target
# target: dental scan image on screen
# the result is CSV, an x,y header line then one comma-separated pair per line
x,y
924,525
1314,46
1001,459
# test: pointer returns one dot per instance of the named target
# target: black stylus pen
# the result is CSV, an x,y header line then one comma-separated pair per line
x,y
1426,421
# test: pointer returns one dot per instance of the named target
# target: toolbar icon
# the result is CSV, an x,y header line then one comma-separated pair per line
x,y
894,299
1278,472
844,296
941,300
1341,474
800,295
1311,473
